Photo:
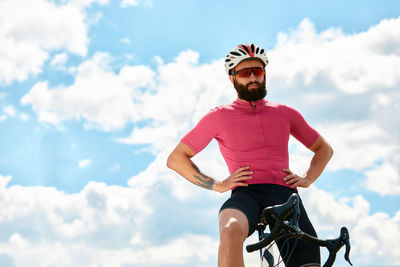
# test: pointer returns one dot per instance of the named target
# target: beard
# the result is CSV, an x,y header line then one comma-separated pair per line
x,y
251,95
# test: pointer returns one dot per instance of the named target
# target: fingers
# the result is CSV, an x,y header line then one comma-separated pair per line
x,y
239,177
288,171
243,178
239,180
240,184
291,181
294,180
242,169
242,173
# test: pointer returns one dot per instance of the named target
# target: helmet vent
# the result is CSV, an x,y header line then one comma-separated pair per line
x,y
235,53
252,48
245,48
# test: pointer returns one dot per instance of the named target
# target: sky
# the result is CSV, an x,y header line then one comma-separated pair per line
x,y
95,94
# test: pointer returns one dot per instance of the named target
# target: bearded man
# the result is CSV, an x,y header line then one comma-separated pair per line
x,y
253,135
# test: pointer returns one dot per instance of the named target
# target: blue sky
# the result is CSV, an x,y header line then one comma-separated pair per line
x,y
94,94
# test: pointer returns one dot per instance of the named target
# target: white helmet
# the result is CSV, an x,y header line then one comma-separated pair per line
x,y
244,52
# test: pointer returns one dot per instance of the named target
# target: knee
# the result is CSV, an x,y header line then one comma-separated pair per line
x,y
232,234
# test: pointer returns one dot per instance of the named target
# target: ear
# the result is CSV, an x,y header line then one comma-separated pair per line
x,y
232,78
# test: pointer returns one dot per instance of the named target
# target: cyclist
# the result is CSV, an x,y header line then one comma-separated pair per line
x,y
253,135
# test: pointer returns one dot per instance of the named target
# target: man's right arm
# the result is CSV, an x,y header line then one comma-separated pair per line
x,y
180,161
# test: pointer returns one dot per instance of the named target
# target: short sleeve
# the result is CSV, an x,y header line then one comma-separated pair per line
x,y
202,134
300,129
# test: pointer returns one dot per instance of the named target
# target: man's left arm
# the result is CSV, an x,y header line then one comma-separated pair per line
x,y
322,154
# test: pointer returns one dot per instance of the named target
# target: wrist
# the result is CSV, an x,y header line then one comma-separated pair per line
x,y
217,186
309,180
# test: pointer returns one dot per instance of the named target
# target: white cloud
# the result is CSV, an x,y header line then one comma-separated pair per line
x,y
358,144
45,219
113,225
384,179
104,99
131,3
362,146
372,236
354,64
126,40
24,116
84,163
198,249
85,3
32,29
180,251
59,60
377,235
114,168
101,225
8,111
126,3
326,212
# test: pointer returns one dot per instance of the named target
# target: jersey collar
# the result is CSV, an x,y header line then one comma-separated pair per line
x,y
250,104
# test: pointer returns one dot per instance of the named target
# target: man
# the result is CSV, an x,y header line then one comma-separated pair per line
x,y
253,136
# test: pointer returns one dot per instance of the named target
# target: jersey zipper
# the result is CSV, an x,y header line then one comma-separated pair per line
x,y
253,106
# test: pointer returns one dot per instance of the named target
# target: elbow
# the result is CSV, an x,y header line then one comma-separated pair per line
x,y
324,149
170,161
178,157
330,151
173,161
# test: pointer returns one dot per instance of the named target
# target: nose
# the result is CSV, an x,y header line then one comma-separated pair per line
x,y
252,76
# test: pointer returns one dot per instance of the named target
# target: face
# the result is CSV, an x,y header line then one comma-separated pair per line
x,y
250,88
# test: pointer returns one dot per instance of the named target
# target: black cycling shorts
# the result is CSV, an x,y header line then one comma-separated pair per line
x,y
252,199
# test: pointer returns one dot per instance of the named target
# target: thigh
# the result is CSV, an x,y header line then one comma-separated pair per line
x,y
245,206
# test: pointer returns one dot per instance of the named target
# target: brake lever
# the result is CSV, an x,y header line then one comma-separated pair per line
x,y
346,239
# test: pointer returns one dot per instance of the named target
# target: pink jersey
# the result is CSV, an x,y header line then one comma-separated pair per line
x,y
256,137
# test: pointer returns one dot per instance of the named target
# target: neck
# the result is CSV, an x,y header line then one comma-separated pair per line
x,y
251,101
242,99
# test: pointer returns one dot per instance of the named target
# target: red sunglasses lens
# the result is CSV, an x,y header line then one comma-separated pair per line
x,y
245,73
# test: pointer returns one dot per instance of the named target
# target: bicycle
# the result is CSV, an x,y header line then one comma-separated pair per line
x,y
283,220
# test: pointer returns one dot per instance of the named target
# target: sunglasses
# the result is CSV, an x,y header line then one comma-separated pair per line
x,y
246,73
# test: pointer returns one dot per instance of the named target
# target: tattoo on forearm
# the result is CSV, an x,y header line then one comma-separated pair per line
x,y
202,179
